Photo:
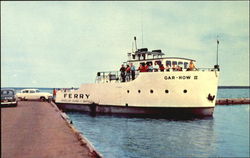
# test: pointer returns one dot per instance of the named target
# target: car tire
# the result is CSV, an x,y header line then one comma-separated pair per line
x,y
42,99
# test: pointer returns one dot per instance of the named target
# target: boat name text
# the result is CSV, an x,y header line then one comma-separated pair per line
x,y
180,77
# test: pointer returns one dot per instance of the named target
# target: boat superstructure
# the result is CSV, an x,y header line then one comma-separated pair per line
x,y
167,92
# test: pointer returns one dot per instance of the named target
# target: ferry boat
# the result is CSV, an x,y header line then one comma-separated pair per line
x,y
164,93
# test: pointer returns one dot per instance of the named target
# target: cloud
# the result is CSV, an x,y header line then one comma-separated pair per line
x,y
60,44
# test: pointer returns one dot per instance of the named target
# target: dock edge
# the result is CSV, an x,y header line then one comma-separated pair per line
x,y
83,140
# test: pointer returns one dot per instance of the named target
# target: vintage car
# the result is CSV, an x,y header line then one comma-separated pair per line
x,y
8,98
33,94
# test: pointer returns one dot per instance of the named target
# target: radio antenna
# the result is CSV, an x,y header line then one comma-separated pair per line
x,y
217,55
135,43
217,58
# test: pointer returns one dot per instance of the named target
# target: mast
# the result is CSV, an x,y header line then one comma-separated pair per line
x,y
135,43
217,56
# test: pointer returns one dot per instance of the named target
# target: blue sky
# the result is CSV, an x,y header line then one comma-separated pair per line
x,y
64,44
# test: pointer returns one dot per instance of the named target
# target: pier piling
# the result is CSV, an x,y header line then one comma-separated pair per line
x,y
232,101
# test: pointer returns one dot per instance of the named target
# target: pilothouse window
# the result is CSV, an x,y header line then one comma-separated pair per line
x,y
174,62
180,63
144,56
149,62
168,62
143,63
158,62
185,65
133,56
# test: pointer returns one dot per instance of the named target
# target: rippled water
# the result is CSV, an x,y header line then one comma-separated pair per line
x,y
234,93
226,134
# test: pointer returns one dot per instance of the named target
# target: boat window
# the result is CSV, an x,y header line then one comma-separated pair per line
x,y
143,63
185,65
166,91
174,62
133,56
139,56
149,56
151,91
180,63
184,91
127,91
139,91
32,91
158,62
37,91
143,56
168,62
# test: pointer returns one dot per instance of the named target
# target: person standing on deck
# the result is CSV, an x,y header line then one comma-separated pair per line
x,y
191,66
128,73
161,67
123,76
155,67
167,67
132,68
150,68
174,67
142,68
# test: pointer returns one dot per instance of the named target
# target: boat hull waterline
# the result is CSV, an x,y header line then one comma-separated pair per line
x,y
157,93
139,111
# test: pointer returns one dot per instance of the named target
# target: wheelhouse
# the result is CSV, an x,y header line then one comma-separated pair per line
x,y
156,57
145,57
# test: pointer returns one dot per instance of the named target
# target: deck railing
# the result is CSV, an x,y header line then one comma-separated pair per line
x,y
115,76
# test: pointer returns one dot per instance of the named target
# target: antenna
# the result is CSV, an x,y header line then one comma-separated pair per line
x,y
135,43
217,53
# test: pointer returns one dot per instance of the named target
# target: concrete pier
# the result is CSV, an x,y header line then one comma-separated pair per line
x,y
232,101
37,129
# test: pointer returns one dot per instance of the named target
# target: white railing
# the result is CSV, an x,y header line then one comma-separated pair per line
x,y
115,76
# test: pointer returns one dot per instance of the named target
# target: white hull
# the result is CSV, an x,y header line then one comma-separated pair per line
x,y
157,90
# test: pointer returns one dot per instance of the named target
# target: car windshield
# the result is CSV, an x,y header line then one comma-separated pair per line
x,y
7,92
37,91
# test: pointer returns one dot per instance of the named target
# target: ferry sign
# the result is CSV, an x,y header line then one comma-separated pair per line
x,y
76,96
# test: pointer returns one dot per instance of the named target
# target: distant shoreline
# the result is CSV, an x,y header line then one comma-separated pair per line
x,y
232,87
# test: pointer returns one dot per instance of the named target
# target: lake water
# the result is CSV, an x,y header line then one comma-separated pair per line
x,y
226,134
